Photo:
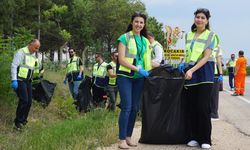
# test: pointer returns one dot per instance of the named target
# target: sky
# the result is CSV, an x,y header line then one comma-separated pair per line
x,y
230,19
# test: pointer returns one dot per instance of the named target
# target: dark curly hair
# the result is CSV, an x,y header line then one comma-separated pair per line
x,y
139,14
206,13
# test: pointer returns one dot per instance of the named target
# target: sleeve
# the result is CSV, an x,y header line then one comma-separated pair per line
x,y
158,54
211,45
15,63
80,62
122,39
109,67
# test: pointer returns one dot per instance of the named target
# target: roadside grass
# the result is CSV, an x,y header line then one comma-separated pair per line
x,y
58,126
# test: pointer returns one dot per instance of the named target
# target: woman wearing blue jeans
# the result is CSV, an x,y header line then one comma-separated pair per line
x,y
134,60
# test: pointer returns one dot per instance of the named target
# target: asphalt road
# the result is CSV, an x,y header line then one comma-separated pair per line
x,y
231,132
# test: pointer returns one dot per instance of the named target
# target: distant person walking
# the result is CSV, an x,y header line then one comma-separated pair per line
x,y
22,69
134,61
230,67
74,74
240,75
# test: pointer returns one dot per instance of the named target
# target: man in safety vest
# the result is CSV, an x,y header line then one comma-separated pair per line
x,y
22,68
100,80
230,68
74,74
240,75
157,51
112,85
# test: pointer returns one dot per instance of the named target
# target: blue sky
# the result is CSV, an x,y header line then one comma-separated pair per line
x,y
230,19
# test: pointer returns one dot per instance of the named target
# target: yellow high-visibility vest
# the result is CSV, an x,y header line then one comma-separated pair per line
x,y
27,64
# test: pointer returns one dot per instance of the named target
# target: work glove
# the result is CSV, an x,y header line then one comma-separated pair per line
x,y
143,72
181,67
220,78
79,77
65,81
14,84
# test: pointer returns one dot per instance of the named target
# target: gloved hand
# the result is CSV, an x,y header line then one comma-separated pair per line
x,y
143,72
14,84
220,78
181,67
65,81
79,77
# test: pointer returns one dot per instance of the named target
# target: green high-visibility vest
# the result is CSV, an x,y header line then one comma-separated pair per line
x,y
100,71
232,63
131,52
112,80
27,64
153,45
73,66
203,41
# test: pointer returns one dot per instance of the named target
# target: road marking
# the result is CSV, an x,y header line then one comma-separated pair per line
x,y
240,97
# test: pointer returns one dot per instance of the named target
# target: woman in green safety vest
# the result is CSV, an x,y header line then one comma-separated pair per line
x,y
134,61
199,76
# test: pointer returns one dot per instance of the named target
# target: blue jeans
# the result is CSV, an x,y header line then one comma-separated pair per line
x,y
130,92
73,88
24,92
231,78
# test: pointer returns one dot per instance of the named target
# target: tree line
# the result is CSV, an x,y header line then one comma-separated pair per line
x,y
80,24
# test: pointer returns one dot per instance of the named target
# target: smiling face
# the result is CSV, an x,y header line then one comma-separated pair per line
x,y
138,24
200,21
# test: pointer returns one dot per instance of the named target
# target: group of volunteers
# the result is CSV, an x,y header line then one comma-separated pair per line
x,y
138,52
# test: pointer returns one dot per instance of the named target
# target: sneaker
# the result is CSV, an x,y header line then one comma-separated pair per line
x,y
18,126
235,94
192,143
241,94
205,146
215,119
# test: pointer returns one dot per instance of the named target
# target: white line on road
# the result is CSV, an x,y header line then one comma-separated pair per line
x,y
240,97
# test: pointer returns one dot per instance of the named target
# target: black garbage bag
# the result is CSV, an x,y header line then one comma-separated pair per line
x,y
43,92
163,108
84,96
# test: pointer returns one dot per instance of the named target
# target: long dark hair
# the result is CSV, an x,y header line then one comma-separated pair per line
x,y
138,14
206,13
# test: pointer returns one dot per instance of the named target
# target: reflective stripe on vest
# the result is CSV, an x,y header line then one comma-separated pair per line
x,y
112,80
27,64
203,41
131,52
73,66
153,45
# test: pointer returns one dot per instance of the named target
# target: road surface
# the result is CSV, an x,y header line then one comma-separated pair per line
x,y
231,132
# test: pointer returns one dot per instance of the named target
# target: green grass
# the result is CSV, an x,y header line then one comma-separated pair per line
x,y
58,126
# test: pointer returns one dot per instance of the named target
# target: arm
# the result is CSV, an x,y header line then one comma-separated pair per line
x,y
236,69
206,55
110,71
218,60
15,63
111,74
158,56
122,60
